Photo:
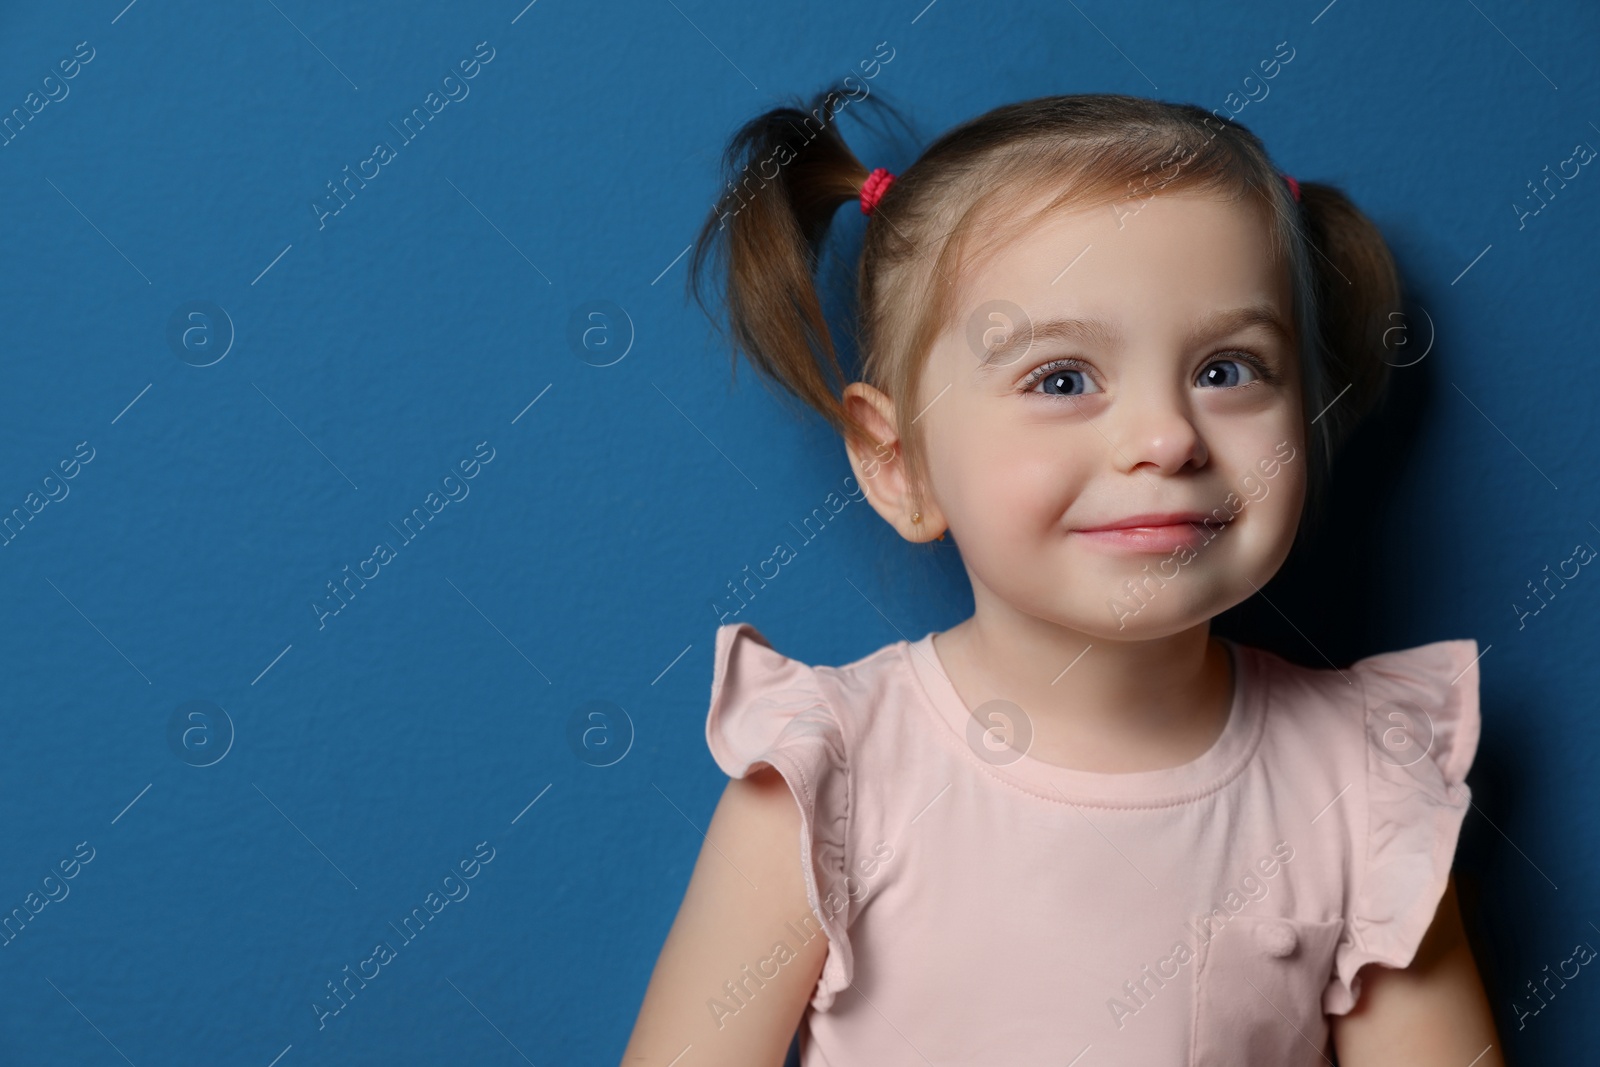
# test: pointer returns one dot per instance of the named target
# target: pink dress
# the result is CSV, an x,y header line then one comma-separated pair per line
x,y
983,907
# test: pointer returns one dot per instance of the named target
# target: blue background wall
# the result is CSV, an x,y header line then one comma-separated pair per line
x,y
247,848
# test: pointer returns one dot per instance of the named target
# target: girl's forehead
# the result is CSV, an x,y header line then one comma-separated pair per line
x,y
1167,252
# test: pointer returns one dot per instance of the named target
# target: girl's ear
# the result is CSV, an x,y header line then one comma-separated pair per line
x,y
880,467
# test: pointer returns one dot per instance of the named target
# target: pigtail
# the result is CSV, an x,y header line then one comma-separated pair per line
x,y
1357,294
788,170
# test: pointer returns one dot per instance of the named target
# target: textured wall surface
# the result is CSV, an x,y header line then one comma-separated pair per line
x,y
471,379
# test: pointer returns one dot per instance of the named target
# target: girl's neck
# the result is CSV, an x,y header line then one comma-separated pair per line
x,y
1095,705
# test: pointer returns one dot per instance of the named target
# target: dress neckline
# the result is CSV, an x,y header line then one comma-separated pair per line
x,y
1163,787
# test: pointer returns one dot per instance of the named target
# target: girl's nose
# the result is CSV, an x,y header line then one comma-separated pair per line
x,y
1156,433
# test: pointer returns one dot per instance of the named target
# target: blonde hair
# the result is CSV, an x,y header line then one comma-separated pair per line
x,y
921,239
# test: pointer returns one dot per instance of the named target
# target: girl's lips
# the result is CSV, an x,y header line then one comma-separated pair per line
x,y
1166,538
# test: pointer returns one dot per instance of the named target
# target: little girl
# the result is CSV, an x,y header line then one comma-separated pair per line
x,y
1109,350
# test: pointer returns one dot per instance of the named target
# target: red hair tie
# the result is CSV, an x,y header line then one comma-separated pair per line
x,y
1294,187
874,187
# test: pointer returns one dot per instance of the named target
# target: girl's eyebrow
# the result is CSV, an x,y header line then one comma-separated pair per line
x,y
1087,331
1103,335
1234,320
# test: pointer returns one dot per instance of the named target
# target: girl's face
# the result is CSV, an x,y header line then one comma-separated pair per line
x,y
1161,379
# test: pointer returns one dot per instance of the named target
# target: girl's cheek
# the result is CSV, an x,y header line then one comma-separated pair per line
x,y
1005,510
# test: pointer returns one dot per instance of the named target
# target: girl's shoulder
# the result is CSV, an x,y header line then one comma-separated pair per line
x,y
1411,704
1378,753
803,721
763,701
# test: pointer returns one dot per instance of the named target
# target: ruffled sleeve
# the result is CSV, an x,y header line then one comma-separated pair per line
x,y
767,708
1421,735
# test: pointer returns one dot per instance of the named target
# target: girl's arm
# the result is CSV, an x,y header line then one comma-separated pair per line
x,y
725,932
1433,1012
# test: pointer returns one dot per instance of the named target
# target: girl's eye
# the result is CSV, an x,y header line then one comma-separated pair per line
x,y
1060,377
1218,374
1070,377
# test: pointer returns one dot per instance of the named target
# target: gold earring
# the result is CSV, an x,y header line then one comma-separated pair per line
x,y
916,516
